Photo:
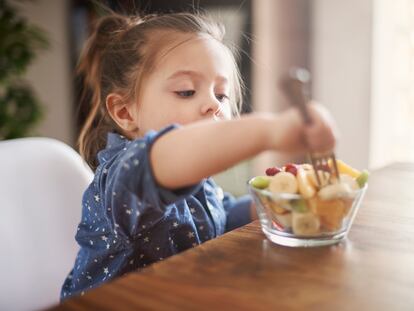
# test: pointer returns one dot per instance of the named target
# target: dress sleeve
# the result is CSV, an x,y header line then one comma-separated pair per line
x,y
237,211
133,197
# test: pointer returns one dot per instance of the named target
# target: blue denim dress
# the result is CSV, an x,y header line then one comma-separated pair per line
x,y
129,221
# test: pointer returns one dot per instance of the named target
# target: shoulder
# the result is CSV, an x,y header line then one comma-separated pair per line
x,y
121,150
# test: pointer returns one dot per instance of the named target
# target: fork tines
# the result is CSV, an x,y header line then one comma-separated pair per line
x,y
321,166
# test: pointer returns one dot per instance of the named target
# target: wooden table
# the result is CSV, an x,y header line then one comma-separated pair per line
x,y
372,270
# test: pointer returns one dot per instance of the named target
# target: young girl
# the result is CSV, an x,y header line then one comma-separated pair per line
x,y
164,89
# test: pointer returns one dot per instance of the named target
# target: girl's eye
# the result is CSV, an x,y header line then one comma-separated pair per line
x,y
187,93
222,97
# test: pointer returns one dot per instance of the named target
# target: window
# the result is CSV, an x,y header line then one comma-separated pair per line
x,y
392,110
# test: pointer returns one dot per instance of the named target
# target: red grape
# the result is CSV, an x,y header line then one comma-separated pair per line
x,y
272,171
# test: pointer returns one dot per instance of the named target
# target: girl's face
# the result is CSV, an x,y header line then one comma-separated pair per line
x,y
189,83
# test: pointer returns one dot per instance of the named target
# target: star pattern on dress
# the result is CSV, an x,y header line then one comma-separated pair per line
x,y
219,193
117,199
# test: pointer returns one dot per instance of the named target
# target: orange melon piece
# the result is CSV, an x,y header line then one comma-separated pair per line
x,y
330,212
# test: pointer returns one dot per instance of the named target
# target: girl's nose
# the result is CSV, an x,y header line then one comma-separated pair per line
x,y
210,106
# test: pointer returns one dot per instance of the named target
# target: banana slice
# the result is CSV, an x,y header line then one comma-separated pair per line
x,y
306,189
305,223
285,220
283,182
323,177
306,166
349,180
334,191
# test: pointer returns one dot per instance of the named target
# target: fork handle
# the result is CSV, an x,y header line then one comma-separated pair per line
x,y
294,86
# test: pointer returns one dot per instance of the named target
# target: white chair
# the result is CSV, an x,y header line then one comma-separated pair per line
x,y
41,185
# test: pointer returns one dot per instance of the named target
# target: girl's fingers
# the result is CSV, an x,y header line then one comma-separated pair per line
x,y
321,114
319,138
321,134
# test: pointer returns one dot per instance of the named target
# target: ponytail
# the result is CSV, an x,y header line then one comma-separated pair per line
x,y
92,137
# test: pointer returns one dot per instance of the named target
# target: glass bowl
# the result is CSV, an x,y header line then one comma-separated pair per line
x,y
290,220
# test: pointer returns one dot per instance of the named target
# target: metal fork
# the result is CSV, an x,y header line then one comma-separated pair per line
x,y
296,85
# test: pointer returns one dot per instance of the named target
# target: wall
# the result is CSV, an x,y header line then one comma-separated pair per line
x,y
392,119
341,49
281,40
50,74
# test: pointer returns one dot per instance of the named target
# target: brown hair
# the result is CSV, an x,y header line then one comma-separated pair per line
x,y
119,53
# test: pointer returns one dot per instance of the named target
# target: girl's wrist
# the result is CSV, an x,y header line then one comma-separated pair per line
x,y
277,130
266,129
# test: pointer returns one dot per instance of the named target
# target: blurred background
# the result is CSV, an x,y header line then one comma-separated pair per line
x,y
360,54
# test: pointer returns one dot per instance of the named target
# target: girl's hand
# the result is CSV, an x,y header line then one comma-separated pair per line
x,y
290,134
321,134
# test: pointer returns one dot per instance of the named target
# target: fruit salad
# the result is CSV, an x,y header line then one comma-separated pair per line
x,y
294,202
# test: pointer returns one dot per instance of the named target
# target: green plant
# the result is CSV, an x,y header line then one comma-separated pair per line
x,y
19,43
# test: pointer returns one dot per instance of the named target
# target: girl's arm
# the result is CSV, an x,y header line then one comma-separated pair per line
x,y
193,152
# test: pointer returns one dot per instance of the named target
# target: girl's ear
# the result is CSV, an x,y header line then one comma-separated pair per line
x,y
119,111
